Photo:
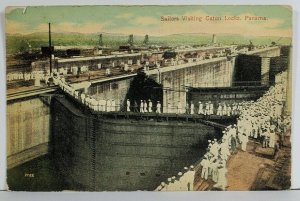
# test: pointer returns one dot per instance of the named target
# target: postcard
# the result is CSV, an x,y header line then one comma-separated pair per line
x,y
149,98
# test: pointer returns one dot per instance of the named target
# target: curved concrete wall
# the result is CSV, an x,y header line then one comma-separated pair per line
x,y
100,153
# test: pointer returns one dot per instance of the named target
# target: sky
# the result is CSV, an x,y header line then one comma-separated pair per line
x,y
141,20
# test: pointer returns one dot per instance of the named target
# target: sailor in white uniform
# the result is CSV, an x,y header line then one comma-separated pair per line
x,y
150,105
234,109
159,188
225,153
82,96
224,112
222,180
192,108
229,110
191,177
158,107
205,165
214,167
272,136
219,110
206,110
87,101
215,148
145,106
103,105
200,109
211,108
128,105
163,185
95,104
179,183
142,107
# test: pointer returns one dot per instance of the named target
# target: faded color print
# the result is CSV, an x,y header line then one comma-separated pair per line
x,y
156,98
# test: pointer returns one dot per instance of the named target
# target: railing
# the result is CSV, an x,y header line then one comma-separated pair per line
x,y
249,83
204,119
29,93
117,106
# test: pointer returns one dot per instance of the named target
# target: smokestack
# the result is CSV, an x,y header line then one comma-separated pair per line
x,y
100,40
130,40
146,40
214,39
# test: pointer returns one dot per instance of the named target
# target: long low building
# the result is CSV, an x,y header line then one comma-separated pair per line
x,y
92,58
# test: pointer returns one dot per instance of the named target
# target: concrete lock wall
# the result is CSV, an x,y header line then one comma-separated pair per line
x,y
70,145
277,65
224,95
101,153
157,152
265,71
247,70
217,73
255,67
112,90
270,52
27,130
28,120
213,74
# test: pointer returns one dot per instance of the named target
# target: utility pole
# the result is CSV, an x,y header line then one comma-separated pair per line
x,y
214,39
100,43
50,48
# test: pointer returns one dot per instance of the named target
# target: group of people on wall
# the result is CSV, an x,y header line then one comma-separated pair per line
x,y
264,121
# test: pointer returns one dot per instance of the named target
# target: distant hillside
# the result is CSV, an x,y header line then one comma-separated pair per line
x,y
16,43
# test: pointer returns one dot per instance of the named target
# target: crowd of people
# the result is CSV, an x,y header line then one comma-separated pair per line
x,y
183,181
148,106
34,75
263,121
214,161
91,102
208,108
42,75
